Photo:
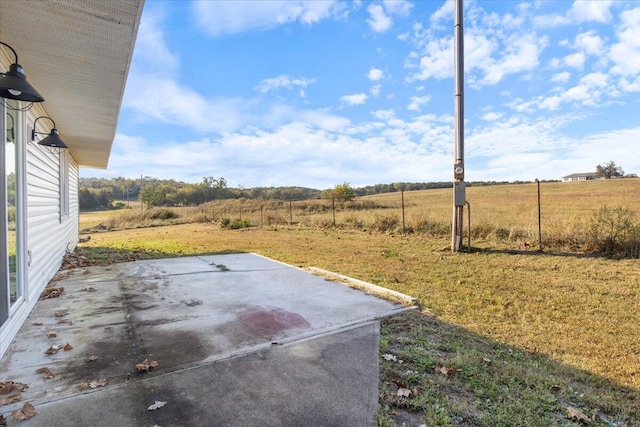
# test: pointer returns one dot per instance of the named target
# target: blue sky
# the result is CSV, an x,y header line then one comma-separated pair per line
x,y
316,93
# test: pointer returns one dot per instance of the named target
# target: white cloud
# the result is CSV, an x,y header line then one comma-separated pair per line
x,y
591,11
167,101
437,61
397,7
416,102
355,99
232,17
383,114
378,20
581,11
375,90
491,116
594,80
282,81
375,74
492,51
575,60
152,53
589,43
630,86
562,77
521,54
625,54
444,12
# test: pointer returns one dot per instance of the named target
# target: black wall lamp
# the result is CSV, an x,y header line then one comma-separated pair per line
x,y
52,140
14,84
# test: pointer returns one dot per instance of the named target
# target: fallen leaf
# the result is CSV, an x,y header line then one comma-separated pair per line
x,y
89,289
69,321
61,313
390,357
404,392
146,365
7,386
486,360
15,397
52,350
446,370
576,414
52,335
46,373
400,384
37,323
3,420
67,347
92,358
156,405
27,411
100,382
51,293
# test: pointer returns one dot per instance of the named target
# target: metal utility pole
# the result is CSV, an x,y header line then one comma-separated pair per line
x,y
459,198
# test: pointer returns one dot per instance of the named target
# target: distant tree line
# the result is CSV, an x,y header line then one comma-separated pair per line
x,y
101,193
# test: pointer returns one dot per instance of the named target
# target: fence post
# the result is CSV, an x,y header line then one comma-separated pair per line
x,y
539,219
333,209
402,196
290,213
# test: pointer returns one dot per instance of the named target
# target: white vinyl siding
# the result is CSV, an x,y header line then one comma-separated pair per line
x,y
49,237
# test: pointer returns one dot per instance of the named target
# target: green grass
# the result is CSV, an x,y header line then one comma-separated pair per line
x,y
487,383
559,328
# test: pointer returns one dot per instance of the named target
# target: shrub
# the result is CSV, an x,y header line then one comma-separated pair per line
x,y
354,221
200,218
275,220
11,214
431,228
614,232
161,213
235,224
501,233
518,234
385,223
482,230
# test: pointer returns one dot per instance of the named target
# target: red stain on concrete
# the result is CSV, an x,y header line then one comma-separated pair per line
x,y
268,323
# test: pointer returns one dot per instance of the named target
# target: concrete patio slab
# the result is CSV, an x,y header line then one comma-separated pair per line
x,y
239,340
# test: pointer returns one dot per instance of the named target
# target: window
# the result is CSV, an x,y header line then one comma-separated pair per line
x,y
64,186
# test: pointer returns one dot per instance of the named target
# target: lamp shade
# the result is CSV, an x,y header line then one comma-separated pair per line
x,y
14,85
53,140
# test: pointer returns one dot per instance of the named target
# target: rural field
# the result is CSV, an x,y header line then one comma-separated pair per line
x,y
507,335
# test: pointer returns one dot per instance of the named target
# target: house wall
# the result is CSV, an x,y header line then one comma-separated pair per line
x,y
48,233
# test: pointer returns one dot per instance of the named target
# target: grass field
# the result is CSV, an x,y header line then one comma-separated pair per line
x,y
508,337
